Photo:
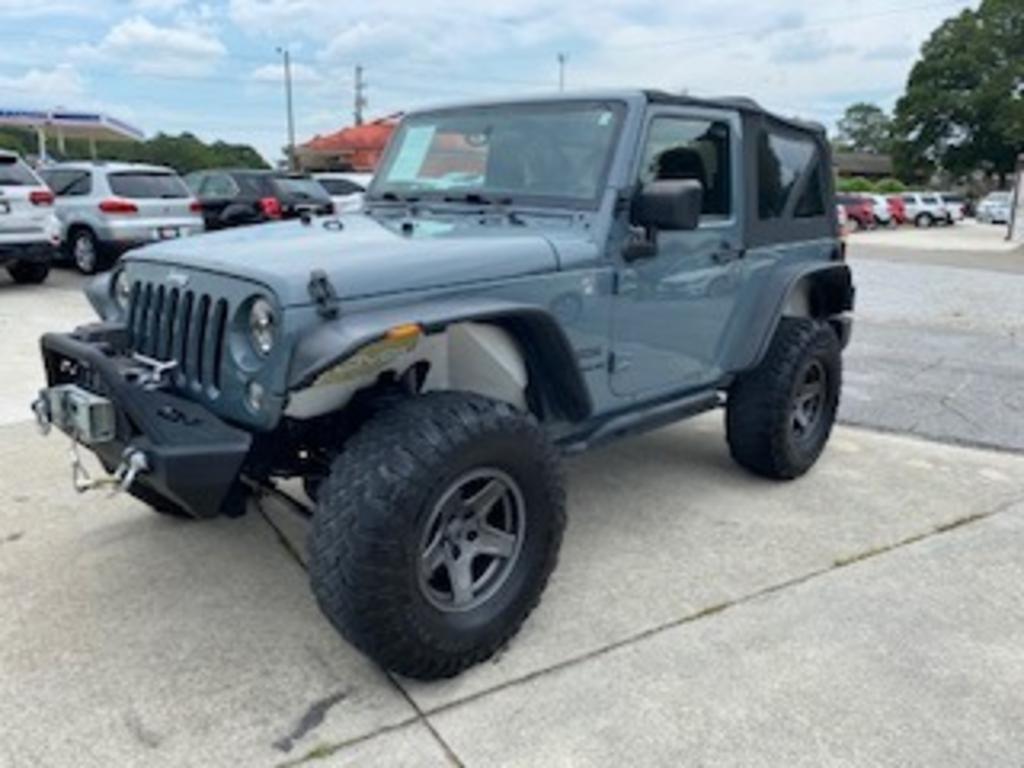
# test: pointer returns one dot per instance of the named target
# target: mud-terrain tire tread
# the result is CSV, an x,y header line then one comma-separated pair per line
x,y
759,402
377,487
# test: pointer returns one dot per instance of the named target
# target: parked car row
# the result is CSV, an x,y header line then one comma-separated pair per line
x,y
89,213
922,209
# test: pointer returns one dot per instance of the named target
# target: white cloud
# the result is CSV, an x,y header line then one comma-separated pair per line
x,y
158,6
150,48
60,86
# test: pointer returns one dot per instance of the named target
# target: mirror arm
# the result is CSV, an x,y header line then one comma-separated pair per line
x,y
645,247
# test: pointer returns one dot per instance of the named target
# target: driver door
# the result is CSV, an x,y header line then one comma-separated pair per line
x,y
672,307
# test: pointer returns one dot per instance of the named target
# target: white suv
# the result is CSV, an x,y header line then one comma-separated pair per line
x,y
107,208
29,232
925,209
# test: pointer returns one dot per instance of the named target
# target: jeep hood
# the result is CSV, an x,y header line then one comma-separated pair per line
x,y
363,256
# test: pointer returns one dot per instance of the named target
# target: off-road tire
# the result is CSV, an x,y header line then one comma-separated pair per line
x,y
761,404
28,272
365,541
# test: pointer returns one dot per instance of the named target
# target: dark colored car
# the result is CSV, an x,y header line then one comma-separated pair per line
x,y
859,210
231,198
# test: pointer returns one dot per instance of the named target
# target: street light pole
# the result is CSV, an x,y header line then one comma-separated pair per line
x,y
288,102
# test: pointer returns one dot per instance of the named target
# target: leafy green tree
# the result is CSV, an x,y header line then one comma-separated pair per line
x,y
184,153
865,128
963,109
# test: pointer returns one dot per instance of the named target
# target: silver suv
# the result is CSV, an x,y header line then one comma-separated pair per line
x,y
107,208
926,209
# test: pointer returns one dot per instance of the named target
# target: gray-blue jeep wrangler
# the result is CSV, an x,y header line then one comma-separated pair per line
x,y
529,278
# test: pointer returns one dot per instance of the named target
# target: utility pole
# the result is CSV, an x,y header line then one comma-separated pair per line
x,y
288,102
360,95
561,71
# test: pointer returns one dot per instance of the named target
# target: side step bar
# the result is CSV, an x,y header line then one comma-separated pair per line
x,y
642,420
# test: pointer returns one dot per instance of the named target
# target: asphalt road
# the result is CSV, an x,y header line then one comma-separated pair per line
x,y
938,350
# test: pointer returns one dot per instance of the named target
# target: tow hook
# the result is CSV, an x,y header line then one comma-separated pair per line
x,y
44,419
133,463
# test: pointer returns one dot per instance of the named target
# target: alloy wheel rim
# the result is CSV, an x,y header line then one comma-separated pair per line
x,y
85,253
472,540
809,400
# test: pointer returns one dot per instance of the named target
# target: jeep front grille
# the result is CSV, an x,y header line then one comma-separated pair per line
x,y
180,325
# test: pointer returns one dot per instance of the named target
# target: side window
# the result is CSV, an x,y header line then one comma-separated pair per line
x,y
194,182
219,185
690,148
909,199
69,183
782,161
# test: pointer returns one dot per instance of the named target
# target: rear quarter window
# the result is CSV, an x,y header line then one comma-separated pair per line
x,y
147,185
788,166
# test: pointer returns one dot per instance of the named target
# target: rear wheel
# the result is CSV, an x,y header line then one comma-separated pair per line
x,y
436,531
84,250
924,220
780,415
28,272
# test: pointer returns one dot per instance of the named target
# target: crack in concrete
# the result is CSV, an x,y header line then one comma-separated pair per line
x,y
311,719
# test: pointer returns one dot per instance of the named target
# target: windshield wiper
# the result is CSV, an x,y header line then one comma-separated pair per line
x,y
392,197
475,198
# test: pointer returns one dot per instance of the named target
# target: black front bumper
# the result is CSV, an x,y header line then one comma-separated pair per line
x,y
43,252
195,460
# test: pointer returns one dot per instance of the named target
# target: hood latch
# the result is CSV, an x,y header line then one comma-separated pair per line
x,y
323,294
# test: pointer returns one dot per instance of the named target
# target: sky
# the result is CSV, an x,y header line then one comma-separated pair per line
x,y
212,68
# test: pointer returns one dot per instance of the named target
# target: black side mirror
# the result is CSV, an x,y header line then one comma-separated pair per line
x,y
672,205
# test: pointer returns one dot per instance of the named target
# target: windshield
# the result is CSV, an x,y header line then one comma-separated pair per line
x,y
340,186
512,152
147,185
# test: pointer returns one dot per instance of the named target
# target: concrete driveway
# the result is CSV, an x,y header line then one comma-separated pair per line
x,y
868,614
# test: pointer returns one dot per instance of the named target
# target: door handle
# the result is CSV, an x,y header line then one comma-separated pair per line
x,y
727,253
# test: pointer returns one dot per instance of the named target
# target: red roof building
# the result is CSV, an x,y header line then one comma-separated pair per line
x,y
357,148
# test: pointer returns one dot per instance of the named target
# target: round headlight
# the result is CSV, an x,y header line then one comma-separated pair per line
x,y
122,289
262,326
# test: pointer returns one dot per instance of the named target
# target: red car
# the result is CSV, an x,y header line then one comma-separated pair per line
x,y
859,210
898,209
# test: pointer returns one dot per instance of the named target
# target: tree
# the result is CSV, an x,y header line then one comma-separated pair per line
x,y
963,109
865,128
184,153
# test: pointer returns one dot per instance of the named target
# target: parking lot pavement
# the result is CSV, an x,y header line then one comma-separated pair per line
x,y
26,313
937,351
966,236
134,639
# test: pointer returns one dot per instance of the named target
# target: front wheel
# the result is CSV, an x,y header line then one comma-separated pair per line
x,y
436,531
924,220
28,272
780,415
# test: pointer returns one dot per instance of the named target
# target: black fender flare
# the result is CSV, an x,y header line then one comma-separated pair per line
x,y
555,377
826,290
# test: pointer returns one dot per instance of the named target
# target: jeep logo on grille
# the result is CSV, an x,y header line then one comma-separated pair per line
x,y
179,279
